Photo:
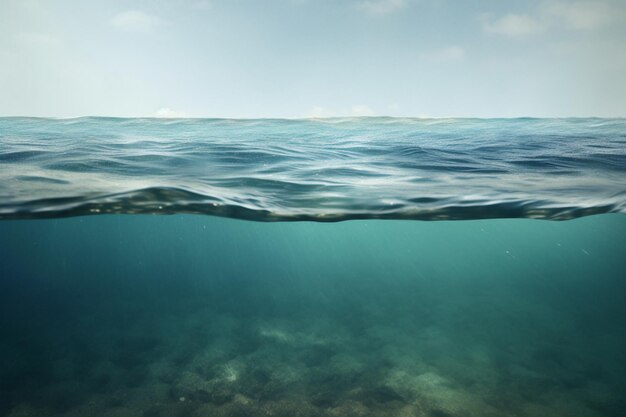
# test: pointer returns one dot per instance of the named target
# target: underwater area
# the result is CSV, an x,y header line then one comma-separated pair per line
x,y
193,315
334,268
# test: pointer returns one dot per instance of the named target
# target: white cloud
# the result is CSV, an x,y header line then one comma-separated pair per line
x,y
574,15
358,110
136,21
382,7
579,14
318,112
166,112
361,110
514,25
448,54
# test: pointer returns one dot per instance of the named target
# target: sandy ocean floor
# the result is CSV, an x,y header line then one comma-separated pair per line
x,y
194,316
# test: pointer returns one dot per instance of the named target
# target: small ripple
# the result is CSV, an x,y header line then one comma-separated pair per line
x,y
320,170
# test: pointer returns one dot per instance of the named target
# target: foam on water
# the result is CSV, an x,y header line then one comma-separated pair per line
x,y
322,170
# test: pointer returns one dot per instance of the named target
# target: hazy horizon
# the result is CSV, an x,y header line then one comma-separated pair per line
x,y
305,58
313,118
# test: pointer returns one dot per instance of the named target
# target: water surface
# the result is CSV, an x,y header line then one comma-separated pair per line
x,y
323,170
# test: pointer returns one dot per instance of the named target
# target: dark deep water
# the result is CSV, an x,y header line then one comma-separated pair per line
x,y
186,315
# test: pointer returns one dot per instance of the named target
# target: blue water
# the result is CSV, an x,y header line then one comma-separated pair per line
x,y
214,315
328,169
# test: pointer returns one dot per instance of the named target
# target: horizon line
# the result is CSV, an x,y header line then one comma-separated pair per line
x,y
307,118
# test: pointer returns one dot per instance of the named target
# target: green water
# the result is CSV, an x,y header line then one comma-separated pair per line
x,y
202,316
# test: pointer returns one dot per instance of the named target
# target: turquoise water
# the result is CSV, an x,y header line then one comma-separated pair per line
x,y
321,170
204,316
255,299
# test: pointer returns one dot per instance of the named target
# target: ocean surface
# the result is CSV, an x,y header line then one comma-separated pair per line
x,y
322,170
357,267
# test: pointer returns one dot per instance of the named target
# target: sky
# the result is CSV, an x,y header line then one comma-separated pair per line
x,y
313,58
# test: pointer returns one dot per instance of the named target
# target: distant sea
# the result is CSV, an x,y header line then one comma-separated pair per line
x,y
332,267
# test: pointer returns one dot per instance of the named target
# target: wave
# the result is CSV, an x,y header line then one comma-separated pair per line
x,y
314,169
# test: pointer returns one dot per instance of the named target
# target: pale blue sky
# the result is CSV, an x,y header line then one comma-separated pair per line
x,y
299,58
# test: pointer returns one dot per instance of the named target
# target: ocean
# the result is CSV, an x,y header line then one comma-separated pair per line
x,y
331,267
